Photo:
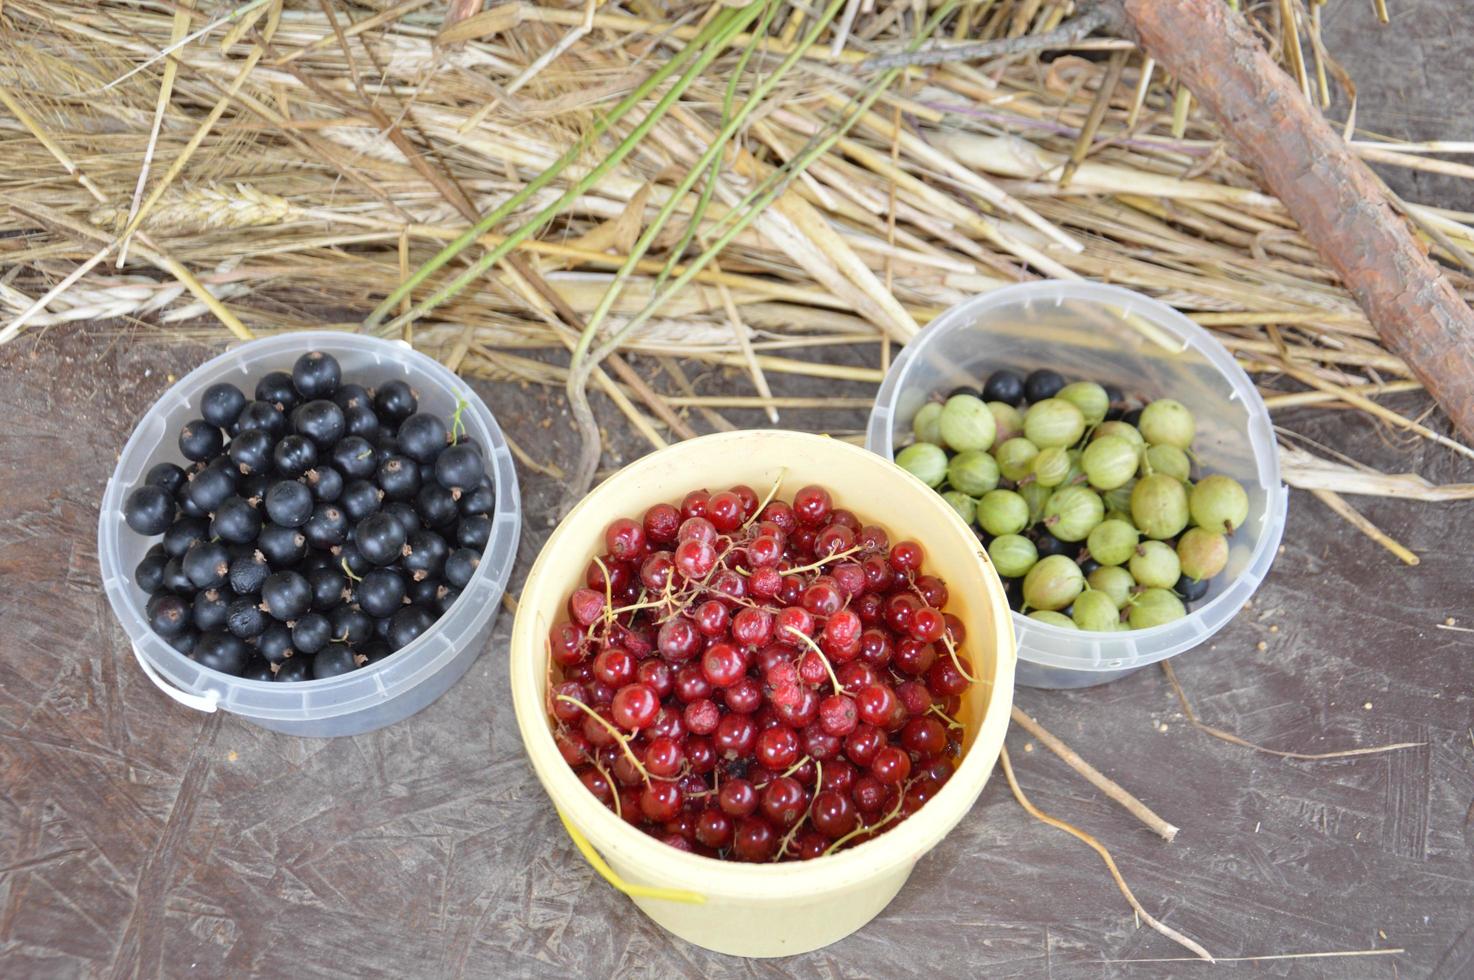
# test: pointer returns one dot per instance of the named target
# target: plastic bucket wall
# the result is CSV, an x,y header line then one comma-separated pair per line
x,y
1106,334
360,700
776,909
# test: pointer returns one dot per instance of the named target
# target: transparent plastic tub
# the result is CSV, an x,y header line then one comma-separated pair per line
x,y
1104,333
363,699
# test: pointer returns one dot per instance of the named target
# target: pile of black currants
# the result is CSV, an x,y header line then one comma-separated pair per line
x,y
315,530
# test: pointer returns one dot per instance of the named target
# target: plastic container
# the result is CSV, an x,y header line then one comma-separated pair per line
x,y
773,909
363,699
1106,334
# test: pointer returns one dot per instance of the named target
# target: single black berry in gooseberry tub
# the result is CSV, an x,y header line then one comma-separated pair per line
x,y
1191,589
1004,386
1042,384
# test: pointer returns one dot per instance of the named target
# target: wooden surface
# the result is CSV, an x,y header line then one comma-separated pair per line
x,y
140,838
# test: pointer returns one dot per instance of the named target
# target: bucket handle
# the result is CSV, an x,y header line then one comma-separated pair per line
x,y
210,701
597,862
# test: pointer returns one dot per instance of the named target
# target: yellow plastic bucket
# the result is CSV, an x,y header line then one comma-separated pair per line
x,y
792,907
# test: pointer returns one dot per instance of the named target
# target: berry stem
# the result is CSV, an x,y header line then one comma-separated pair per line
x,y
895,812
838,688
952,652
618,735
767,498
793,832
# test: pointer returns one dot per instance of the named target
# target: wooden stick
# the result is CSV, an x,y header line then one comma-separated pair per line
x,y
1095,777
1331,193
1105,855
1350,514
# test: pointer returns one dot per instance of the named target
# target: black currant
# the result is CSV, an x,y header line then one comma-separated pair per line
x,y
406,626
395,401
288,503
175,580
445,597
482,500
320,420
200,441
1042,384
399,477
220,651
964,390
422,592
311,633
258,669
327,527
168,614
351,396
275,643
221,404
405,514
352,560
210,487
183,533
353,456
209,610
236,521
1191,590
248,572
379,538
149,573
329,588
276,389
459,469
375,651
317,374
1133,417
381,593
427,474
263,417
422,436
325,483
166,475
149,510
1116,401
336,659
1048,545
295,669
474,532
361,421
184,642
424,555
1004,386
1088,565
282,546
360,499
251,451
436,505
286,595
245,618
294,455
253,487
351,625
461,565
207,564
381,629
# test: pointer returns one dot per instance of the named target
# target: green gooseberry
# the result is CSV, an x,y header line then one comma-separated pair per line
x,y
965,506
1112,542
1007,420
973,472
926,425
1053,618
1053,583
1096,611
966,423
1036,497
1109,462
1202,552
1155,566
1114,581
1219,501
1071,513
926,462
1167,422
1159,505
1053,422
1153,608
1012,554
1016,458
1116,427
1166,459
1002,512
1090,398
1051,466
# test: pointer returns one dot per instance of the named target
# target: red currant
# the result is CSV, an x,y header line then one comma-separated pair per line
x,y
781,514
725,511
876,648
876,704
822,598
656,674
777,748
924,736
849,578
723,664
839,776
701,755
695,504
737,798
663,757
819,744
697,529
891,766
660,801
594,781
734,736
694,559
566,643
914,657
563,710
748,496
927,624
932,589
634,707
586,606
873,538
765,582
573,747
907,556
624,538
752,627
655,571
701,716
834,814
661,522
945,678
784,801
793,620
868,794
764,550
838,715
812,505
712,618
745,696
678,640
862,744
755,840
714,829
692,685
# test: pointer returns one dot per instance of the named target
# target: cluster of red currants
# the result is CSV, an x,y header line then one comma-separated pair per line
x,y
758,682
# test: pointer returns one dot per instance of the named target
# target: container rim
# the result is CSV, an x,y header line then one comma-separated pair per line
x,y
903,845
368,685
1125,303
